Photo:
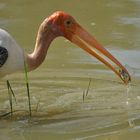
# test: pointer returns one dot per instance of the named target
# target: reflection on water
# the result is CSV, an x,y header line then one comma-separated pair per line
x,y
110,111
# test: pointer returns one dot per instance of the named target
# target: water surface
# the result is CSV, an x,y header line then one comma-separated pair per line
x,y
108,112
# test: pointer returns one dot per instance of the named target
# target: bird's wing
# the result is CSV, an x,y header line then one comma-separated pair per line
x,y
3,55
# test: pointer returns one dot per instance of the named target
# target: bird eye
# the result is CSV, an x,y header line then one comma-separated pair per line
x,y
68,23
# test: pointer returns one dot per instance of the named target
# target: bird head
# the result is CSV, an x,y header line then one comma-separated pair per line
x,y
63,24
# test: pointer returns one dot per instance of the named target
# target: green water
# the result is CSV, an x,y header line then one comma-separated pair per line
x,y
108,112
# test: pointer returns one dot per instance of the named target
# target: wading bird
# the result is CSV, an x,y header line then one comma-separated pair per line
x,y
12,57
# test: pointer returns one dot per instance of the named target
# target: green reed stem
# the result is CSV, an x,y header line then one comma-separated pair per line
x,y
88,87
11,90
28,89
10,97
85,93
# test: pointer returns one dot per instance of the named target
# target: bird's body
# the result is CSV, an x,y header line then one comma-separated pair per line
x,y
12,57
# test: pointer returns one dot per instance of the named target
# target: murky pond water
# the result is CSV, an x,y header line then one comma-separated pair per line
x,y
110,111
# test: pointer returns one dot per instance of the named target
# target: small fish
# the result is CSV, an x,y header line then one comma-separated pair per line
x,y
125,76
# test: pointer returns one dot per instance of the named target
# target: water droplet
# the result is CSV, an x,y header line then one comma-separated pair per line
x,y
131,123
127,102
92,23
138,97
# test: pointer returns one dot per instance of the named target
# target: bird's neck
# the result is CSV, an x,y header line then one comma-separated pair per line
x,y
43,41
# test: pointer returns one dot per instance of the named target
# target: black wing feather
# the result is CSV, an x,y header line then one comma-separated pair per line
x,y
3,55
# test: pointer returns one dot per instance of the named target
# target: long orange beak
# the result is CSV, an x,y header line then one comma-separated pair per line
x,y
87,42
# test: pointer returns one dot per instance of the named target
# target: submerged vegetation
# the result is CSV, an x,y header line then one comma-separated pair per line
x,y
12,96
85,93
10,93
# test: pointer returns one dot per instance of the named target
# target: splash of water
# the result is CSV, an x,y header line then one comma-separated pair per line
x,y
128,89
128,104
131,71
128,99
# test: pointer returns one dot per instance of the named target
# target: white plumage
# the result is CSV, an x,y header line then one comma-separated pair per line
x,y
15,60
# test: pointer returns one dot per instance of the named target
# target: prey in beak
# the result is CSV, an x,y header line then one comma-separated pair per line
x,y
87,42
79,36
